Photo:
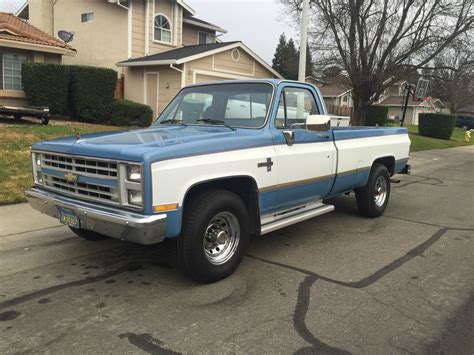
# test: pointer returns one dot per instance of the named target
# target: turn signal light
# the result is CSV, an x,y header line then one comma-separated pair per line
x,y
167,207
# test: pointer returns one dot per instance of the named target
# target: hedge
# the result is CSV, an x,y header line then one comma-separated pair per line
x,y
130,113
376,115
46,85
91,93
436,125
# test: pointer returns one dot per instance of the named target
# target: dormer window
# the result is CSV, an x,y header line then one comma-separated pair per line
x,y
162,29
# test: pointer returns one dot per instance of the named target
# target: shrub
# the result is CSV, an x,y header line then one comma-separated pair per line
x,y
46,85
127,112
436,125
376,115
91,93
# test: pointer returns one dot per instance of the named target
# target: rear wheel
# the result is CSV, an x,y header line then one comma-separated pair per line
x,y
215,236
44,120
88,235
373,198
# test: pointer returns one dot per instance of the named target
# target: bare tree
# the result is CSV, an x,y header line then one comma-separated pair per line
x,y
374,40
453,76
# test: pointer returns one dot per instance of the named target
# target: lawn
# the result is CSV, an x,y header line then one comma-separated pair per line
x,y
15,164
424,143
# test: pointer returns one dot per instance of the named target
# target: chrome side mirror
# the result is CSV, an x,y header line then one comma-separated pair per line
x,y
320,123
289,137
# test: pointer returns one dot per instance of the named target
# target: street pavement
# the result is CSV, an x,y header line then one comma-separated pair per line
x,y
339,283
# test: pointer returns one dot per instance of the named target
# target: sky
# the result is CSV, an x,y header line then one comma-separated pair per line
x,y
257,23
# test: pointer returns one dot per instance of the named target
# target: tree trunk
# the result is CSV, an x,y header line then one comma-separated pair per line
x,y
359,112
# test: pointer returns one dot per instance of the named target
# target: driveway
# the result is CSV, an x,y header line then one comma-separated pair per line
x,y
338,283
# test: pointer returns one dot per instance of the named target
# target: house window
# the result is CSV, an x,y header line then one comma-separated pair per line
x,y
162,29
10,71
205,38
86,17
345,98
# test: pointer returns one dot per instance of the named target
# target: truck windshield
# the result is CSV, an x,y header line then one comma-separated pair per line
x,y
235,105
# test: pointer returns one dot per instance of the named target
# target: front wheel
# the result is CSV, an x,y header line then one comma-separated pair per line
x,y
215,236
372,199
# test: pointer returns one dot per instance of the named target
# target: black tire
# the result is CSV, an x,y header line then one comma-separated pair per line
x,y
44,120
192,258
367,197
88,235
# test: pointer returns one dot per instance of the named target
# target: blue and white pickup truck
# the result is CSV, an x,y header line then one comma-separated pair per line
x,y
222,162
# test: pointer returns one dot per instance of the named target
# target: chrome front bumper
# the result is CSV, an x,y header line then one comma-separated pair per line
x,y
112,222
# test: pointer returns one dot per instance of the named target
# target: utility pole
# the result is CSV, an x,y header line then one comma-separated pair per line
x,y
303,41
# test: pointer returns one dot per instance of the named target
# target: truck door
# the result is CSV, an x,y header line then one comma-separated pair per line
x,y
305,160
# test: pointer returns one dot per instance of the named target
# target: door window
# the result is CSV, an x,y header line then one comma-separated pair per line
x,y
295,106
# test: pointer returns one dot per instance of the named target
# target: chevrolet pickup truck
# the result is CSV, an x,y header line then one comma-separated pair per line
x,y
222,162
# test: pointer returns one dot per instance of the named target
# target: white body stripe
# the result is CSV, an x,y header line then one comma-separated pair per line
x,y
172,178
362,152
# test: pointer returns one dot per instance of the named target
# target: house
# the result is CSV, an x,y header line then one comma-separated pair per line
x,y
336,95
21,42
338,99
394,98
158,46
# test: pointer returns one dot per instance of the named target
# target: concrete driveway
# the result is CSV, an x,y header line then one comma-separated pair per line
x,y
339,283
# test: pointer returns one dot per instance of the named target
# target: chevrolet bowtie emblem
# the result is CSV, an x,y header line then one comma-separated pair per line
x,y
70,177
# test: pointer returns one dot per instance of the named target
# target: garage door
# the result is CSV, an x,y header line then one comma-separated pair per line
x,y
200,78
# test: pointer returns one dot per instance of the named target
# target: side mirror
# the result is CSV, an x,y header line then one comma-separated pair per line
x,y
319,123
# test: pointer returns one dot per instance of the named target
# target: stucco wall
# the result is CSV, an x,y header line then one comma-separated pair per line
x,y
101,42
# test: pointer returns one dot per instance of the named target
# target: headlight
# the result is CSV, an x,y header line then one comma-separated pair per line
x,y
135,197
39,178
134,173
38,159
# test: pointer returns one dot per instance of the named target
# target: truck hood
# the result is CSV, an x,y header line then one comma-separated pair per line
x,y
157,142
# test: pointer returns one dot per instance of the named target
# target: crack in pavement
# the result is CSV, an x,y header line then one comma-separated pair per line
x,y
148,343
304,289
30,231
88,280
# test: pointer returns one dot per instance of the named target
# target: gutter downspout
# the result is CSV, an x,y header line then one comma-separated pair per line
x,y
182,71
129,26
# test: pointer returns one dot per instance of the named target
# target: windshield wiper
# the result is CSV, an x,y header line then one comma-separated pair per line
x,y
216,122
173,121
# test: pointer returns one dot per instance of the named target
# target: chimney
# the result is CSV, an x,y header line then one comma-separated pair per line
x,y
41,15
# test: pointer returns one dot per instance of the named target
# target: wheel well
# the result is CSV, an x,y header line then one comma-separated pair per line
x,y
389,163
243,186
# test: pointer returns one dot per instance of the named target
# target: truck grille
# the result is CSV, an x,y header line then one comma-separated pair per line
x,y
82,166
100,169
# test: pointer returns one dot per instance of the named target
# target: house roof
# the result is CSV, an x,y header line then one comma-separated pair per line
x,y
188,53
12,30
203,24
399,101
333,89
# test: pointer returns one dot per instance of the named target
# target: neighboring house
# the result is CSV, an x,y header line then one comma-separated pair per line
x,y
21,42
394,98
158,45
337,96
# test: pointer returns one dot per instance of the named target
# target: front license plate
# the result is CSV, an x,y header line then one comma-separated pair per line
x,y
68,218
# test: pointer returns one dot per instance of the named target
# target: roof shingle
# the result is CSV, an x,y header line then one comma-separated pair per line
x,y
180,53
14,29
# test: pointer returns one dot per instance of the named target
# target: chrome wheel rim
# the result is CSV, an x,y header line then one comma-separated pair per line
x,y
380,193
221,238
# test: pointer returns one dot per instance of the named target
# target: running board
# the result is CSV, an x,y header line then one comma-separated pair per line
x,y
295,218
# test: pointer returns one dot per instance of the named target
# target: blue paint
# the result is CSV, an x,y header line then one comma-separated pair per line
x,y
400,165
342,133
346,183
173,223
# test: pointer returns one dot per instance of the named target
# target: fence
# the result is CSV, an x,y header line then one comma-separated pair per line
x,y
119,88
339,110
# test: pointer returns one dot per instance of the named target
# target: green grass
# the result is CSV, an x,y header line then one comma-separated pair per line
x,y
15,164
424,143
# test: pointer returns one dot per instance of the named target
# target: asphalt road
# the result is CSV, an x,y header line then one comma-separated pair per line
x,y
339,283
